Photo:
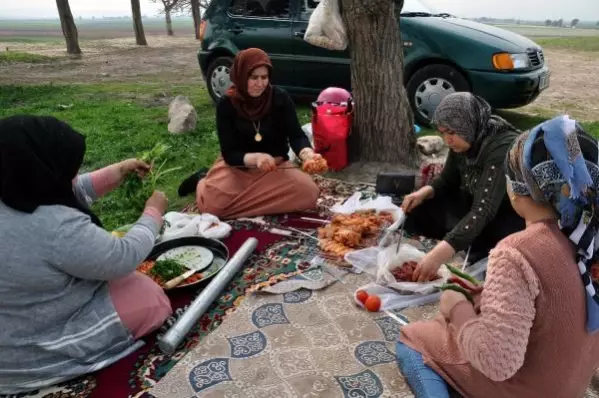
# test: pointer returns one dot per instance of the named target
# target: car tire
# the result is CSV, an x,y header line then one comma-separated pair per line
x,y
217,77
429,85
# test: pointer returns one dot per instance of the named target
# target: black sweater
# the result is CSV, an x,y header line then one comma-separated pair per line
x,y
279,129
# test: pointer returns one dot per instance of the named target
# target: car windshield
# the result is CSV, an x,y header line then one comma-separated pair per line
x,y
416,6
419,8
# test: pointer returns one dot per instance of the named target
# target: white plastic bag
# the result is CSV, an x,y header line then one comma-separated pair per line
x,y
325,28
391,300
388,260
380,203
205,225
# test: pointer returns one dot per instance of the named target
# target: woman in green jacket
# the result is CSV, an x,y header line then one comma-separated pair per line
x,y
467,205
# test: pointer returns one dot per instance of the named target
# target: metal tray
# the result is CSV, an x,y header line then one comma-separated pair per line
x,y
220,251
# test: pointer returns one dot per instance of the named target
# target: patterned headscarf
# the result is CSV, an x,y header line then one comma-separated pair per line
x,y
558,163
470,117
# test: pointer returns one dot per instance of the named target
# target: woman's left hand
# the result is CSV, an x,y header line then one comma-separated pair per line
x,y
129,166
449,299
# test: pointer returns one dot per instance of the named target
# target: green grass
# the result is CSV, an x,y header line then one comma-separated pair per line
x,y
10,57
526,122
586,44
120,121
31,39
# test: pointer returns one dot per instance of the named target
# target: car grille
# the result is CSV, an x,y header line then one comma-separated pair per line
x,y
536,58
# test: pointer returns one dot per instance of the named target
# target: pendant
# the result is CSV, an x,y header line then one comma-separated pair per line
x,y
258,137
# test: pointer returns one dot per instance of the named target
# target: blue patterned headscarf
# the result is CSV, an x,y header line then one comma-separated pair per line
x,y
558,163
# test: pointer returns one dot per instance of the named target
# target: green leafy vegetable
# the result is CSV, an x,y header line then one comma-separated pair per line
x,y
167,269
138,190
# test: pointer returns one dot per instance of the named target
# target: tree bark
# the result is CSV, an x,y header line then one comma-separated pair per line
x,y
140,36
169,22
383,122
195,12
69,29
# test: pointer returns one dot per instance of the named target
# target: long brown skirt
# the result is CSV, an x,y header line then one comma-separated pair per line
x,y
229,192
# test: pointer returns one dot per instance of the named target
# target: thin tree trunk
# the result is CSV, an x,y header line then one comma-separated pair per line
x,y
383,123
195,12
140,36
169,22
69,29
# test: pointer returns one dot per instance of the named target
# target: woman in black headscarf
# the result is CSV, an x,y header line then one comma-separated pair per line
x,y
71,299
466,206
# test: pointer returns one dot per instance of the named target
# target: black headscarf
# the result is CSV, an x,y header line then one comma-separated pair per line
x,y
39,158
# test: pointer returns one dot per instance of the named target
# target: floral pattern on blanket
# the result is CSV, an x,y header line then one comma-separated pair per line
x,y
298,344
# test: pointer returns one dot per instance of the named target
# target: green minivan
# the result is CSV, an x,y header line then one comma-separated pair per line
x,y
443,54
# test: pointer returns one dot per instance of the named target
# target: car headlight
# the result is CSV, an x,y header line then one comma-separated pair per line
x,y
505,61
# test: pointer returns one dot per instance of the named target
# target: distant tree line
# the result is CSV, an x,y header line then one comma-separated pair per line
x,y
169,8
575,23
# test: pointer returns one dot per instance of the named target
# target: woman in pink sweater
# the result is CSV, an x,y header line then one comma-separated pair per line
x,y
532,332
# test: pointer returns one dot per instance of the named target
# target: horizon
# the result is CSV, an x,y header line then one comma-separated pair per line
x,y
532,10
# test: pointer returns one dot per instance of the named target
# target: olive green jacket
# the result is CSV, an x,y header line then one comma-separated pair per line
x,y
484,182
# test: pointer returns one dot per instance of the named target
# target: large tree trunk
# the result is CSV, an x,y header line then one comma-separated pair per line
x,y
69,29
383,122
169,22
140,36
195,12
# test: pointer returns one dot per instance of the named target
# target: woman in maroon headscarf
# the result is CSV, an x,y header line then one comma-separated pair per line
x,y
256,124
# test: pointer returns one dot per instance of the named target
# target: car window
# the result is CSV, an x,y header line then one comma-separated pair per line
x,y
307,8
260,8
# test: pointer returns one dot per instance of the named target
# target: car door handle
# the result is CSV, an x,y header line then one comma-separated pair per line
x,y
236,30
300,34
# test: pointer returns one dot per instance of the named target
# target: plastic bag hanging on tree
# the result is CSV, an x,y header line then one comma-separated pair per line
x,y
325,28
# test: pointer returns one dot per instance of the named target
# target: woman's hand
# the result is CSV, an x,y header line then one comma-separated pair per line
x,y
449,299
158,201
307,154
413,200
129,166
316,164
265,162
426,270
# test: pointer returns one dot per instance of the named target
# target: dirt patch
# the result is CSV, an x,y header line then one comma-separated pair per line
x,y
573,89
169,59
174,60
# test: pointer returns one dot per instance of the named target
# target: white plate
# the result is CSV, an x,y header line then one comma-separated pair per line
x,y
192,257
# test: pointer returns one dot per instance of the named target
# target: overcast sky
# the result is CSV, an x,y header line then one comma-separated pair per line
x,y
525,9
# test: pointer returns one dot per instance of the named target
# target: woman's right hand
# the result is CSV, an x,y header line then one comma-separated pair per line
x,y
415,199
265,162
158,201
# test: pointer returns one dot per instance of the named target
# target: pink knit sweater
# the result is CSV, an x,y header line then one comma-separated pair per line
x,y
529,338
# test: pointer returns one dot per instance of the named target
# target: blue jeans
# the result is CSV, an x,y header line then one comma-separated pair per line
x,y
424,382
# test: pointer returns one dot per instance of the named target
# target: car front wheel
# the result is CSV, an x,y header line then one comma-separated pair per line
x,y
217,78
429,85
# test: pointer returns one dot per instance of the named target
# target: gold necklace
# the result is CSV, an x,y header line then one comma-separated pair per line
x,y
257,137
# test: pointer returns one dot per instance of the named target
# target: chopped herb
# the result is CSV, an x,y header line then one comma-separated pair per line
x,y
167,269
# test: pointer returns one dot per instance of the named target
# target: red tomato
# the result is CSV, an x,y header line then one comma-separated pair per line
x,y
361,295
373,303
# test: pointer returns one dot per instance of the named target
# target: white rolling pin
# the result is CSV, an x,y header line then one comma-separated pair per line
x,y
169,342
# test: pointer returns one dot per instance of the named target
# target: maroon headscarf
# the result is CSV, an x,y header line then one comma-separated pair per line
x,y
248,107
